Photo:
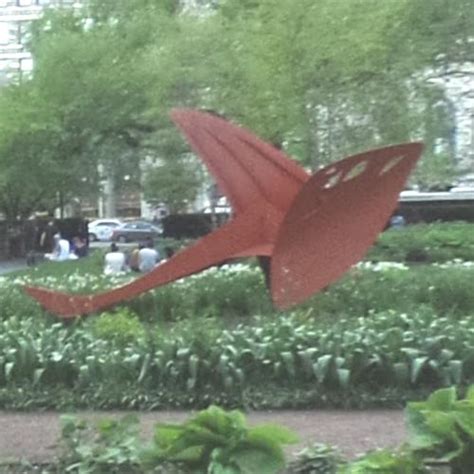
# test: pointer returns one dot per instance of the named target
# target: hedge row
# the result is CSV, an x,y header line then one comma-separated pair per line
x,y
386,350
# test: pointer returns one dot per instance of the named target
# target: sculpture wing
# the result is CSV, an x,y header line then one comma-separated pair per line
x,y
249,171
335,219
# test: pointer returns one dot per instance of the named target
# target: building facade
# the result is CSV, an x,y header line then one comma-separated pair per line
x,y
15,16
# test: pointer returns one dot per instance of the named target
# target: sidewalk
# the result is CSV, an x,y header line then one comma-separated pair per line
x,y
7,266
34,436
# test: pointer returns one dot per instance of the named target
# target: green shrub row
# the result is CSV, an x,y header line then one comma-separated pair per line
x,y
425,243
384,350
239,291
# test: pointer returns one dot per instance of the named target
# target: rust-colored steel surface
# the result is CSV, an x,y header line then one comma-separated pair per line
x,y
312,228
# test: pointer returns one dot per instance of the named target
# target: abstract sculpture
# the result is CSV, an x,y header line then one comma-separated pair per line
x,y
310,229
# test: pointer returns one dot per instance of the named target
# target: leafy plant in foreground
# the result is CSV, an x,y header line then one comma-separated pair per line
x,y
114,448
219,442
385,462
442,428
316,459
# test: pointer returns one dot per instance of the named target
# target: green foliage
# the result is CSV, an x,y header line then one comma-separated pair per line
x,y
112,448
316,459
122,327
439,242
386,462
327,362
321,79
215,441
14,304
229,291
383,333
218,442
175,183
443,289
442,428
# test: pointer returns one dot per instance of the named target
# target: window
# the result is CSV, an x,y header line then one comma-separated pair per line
x,y
4,33
26,65
24,3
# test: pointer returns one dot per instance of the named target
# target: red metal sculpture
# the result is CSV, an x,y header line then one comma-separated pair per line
x,y
311,228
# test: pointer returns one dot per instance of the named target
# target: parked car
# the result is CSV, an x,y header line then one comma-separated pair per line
x,y
101,229
135,231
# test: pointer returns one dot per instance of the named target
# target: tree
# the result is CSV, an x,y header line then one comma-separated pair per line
x,y
34,167
175,184
324,79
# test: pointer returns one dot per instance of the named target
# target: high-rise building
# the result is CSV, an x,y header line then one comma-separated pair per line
x,y
15,16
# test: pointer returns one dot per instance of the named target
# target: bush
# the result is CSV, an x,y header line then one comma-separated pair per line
x,y
367,289
438,242
312,364
121,326
442,428
216,441
112,448
316,459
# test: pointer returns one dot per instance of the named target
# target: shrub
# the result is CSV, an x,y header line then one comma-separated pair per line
x,y
386,462
112,448
438,242
215,441
442,428
316,459
121,326
14,302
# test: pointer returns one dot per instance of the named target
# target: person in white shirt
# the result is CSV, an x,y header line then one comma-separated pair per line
x,y
148,257
60,251
114,261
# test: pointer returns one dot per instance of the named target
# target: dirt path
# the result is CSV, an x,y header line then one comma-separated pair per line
x,y
33,436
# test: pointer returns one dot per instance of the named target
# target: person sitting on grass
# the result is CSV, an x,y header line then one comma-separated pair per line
x,y
134,259
114,261
80,247
148,257
60,250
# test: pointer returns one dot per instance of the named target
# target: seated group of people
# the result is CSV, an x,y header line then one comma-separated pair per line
x,y
142,259
63,250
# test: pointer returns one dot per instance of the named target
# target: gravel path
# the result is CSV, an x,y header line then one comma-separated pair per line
x,y
33,436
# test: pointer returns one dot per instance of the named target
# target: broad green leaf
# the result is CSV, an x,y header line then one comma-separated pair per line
x,y
252,461
289,362
38,373
144,368
343,377
274,433
8,369
442,399
417,367
321,367
402,372
455,368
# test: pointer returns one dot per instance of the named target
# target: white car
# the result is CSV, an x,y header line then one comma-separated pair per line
x,y
101,229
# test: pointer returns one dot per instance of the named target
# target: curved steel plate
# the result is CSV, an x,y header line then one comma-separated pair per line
x,y
335,218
